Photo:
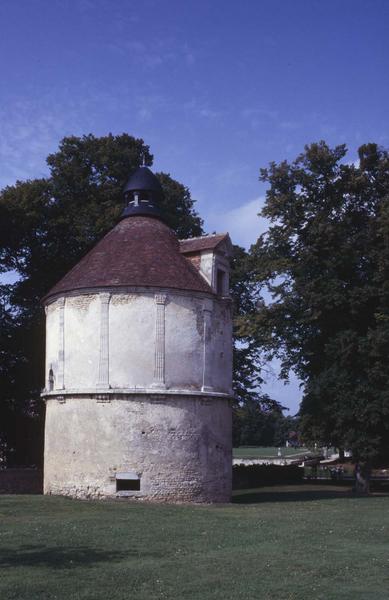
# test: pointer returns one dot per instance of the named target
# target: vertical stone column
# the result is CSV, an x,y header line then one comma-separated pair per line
x,y
103,377
159,357
207,350
61,345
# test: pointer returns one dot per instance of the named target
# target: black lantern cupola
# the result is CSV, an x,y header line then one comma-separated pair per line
x,y
142,194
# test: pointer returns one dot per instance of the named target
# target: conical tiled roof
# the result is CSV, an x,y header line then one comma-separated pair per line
x,y
138,251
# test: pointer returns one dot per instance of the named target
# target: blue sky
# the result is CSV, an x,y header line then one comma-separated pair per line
x,y
217,88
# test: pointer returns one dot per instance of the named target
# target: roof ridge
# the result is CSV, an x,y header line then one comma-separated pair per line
x,y
201,237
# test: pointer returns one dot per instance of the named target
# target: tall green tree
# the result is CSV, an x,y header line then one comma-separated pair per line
x,y
46,226
251,408
325,264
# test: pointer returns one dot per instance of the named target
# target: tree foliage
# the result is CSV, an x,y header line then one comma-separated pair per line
x,y
247,358
325,263
256,416
256,424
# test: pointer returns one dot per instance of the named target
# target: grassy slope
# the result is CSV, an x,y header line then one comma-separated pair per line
x,y
282,544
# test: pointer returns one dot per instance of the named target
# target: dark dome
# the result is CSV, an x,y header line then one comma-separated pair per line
x,y
143,180
142,193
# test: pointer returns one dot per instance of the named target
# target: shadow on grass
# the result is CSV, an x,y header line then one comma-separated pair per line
x,y
289,493
58,557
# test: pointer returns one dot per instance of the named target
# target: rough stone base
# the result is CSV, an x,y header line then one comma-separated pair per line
x,y
178,447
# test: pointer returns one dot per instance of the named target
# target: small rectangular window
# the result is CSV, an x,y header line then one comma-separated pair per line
x,y
221,282
127,482
127,485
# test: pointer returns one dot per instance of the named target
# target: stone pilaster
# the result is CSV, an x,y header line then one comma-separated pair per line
x,y
61,345
159,357
103,377
207,322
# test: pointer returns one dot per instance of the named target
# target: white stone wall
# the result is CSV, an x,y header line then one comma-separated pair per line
x,y
139,340
131,340
207,266
213,260
180,447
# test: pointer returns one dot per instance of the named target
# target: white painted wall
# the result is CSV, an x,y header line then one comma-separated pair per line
x,y
81,352
132,341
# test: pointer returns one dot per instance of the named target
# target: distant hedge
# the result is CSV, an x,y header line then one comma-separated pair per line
x,y
251,476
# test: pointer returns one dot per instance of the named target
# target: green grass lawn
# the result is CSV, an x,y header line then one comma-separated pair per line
x,y
304,542
270,452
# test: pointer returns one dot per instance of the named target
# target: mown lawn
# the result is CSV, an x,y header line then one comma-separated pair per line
x,y
268,452
306,542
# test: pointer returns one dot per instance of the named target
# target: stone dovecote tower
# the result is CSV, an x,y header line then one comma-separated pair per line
x,y
139,363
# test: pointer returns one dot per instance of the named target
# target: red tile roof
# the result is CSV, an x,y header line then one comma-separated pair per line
x,y
138,251
206,242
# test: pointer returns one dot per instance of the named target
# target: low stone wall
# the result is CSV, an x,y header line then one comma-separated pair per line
x,y
21,481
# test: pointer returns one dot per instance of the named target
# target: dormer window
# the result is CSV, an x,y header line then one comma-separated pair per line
x,y
221,279
210,255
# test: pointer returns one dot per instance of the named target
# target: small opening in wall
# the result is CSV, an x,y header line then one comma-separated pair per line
x,y
127,481
127,485
51,380
220,282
